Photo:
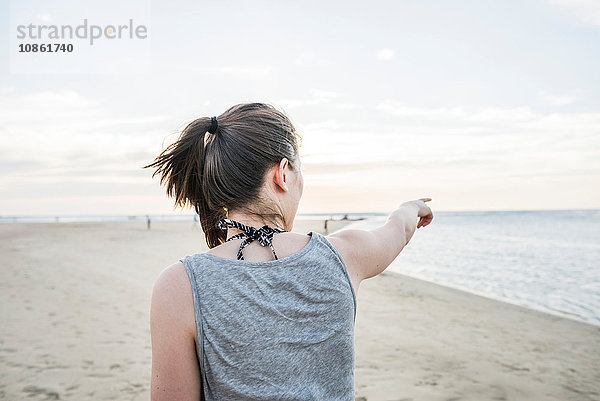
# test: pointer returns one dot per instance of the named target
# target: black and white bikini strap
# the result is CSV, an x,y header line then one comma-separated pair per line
x,y
264,235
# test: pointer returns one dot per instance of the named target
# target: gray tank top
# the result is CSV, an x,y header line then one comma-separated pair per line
x,y
275,330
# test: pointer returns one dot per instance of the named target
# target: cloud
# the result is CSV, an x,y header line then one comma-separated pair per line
x,y
50,135
586,11
317,97
348,166
463,115
556,100
459,144
323,94
385,54
308,59
61,139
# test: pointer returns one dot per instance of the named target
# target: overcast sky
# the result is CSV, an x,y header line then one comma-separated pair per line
x,y
480,105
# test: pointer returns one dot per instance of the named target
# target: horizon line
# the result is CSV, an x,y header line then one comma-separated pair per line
x,y
298,214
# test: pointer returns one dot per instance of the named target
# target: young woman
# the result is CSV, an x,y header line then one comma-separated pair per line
x,y
265,313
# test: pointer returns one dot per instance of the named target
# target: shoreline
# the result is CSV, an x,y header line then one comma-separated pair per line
x,y
505,302
559,314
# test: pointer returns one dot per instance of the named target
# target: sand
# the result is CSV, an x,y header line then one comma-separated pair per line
x,y
75,303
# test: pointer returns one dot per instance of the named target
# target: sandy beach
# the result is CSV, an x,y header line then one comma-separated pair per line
x,y
75,301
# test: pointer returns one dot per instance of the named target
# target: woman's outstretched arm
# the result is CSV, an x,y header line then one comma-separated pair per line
x,y
367,253
175,370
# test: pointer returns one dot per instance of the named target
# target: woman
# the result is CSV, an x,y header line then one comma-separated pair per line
x,y
264,314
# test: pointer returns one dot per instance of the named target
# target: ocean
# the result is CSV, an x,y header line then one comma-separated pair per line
x,y
544,260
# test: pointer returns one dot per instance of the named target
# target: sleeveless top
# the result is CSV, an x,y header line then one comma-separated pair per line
x,y
275,330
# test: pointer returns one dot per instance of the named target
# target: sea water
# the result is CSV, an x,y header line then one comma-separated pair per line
x,y
545,260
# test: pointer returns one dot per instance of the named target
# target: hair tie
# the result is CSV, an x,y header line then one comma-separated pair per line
x,y
213,125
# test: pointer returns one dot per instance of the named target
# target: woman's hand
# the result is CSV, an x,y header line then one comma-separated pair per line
x,y
424,212
367,253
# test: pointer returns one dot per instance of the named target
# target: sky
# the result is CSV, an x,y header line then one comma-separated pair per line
x,y
479,105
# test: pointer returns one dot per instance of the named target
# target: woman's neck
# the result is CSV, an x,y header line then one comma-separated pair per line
x,y
250,221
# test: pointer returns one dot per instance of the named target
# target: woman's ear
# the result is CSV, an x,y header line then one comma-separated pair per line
x,y
280,176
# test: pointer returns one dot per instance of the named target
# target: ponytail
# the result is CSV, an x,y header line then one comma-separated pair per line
x,y
224,172
182,167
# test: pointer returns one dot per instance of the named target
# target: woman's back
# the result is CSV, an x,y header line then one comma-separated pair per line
x,y
279,329
250,327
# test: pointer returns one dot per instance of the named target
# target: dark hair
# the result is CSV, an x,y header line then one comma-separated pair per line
x,y
225,172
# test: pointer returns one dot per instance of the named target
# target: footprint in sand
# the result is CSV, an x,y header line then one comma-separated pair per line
x,y
114,366
32,391
429,380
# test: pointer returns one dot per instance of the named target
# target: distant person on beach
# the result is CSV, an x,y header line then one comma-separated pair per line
x,y
265,313
148,222
326,220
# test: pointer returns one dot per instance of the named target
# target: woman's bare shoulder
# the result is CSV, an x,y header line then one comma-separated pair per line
x,y
173,293
175,369
173,276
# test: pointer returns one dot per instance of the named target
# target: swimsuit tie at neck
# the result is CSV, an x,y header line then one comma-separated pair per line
x,y
264,235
